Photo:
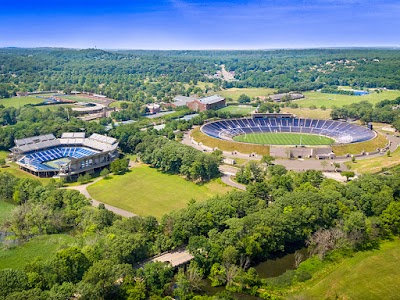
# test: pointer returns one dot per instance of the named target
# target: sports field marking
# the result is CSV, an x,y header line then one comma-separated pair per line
x,y
284,139
57,162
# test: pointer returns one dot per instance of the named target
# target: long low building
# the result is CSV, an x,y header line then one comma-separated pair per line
x,y
199,104
66,157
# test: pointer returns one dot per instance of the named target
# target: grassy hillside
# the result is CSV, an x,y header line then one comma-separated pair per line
x,y
38,247
146,191
367,275
328,100
234,93
375,165
238,110
20,101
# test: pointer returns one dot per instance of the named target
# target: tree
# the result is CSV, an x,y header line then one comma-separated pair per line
x,y
12,281
102,280
267,159
324,164
243,98
70,264
348,174
119,166
336,166
2,162
388,153
105,173
391,218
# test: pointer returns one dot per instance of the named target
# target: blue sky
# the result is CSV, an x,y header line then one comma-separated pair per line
x,y
199,24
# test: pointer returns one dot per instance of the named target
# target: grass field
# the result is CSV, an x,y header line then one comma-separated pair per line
x,y
238,109
20,101
284,139
224,145
13,169
146,191
5,210
234,93
328,100
367,275
40,246
309,113
375,165
368,146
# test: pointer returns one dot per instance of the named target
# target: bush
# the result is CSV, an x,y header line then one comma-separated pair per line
x,y
302,276
284,280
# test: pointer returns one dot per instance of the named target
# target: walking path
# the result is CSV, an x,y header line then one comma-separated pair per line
x,y
83,190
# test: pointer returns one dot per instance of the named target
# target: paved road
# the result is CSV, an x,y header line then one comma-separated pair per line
x,y
295,164
83,190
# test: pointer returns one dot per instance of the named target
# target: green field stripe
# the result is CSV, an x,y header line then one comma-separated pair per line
x,y
284,139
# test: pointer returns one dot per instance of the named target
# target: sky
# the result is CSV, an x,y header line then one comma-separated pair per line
x,y
199,24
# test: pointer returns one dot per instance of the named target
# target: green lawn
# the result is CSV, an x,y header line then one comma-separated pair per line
x,y
284,139
366,275
5,210
328,100
234,93
20,101
41,246
146,191
14,169
309,113
375,165
238,109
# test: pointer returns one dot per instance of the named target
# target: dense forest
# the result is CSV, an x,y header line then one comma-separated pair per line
x,y
142,76
227,235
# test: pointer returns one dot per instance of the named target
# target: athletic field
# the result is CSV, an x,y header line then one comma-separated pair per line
x,y
284,139
57,162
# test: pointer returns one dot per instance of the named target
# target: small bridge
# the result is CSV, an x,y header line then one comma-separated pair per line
x,y
175,258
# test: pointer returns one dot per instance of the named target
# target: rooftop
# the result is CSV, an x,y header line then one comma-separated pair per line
x,y
211,99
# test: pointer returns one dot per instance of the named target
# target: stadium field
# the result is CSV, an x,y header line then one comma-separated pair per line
x,y
57,162
284,139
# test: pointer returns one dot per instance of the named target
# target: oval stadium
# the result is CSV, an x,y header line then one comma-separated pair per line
x,y
285,129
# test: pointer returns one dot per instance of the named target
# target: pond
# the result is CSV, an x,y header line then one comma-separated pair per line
x,y
268,268
278,266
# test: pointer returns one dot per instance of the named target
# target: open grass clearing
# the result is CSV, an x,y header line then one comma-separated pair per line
x,y
309,113
379,141
14,169
367,275
280,138
5,210
20,101
328,100
146,191
238,109
375,165
230,146
235,93
38,247
118,103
